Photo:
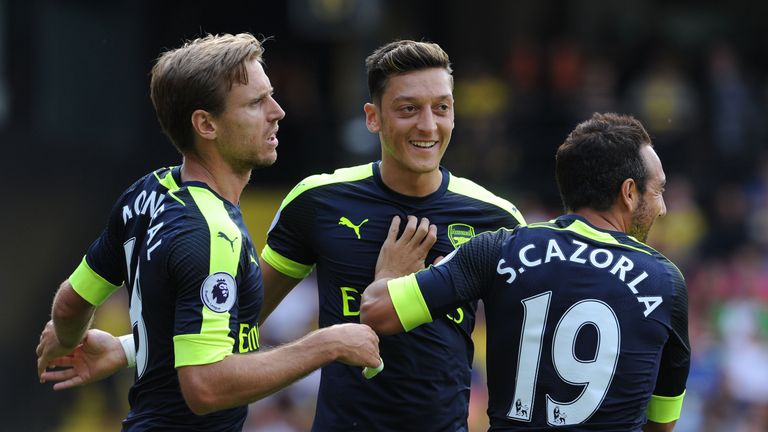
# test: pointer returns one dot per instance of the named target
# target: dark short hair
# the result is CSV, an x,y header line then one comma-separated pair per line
x,y
400,57
199,75
596,158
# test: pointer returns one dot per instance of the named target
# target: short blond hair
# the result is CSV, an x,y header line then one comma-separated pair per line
x,y
198,75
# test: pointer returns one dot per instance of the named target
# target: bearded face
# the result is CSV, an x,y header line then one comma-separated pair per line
x,y
651,202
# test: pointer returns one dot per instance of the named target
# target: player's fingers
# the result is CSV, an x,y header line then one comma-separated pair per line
x,y
410,228
373,370
59,375
430,237
422,229
42,364
394,227
437,260
74,382
375,337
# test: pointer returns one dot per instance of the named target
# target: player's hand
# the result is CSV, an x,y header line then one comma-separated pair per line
x,y
98,356
48,348
357,344
406,254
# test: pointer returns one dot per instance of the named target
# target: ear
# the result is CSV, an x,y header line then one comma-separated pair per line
x,y
372,117
203,124
629,196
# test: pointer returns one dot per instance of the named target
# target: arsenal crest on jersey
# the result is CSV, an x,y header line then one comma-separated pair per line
x,y
460,233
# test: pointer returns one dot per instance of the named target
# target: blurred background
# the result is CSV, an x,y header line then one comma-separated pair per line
x,y
78,128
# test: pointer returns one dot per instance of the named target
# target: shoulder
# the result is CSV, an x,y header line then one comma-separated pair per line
x,y
668,276
341,175
468,188
148,196
663,265
491,241
672,273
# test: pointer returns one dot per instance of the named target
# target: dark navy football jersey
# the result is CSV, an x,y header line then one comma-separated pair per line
x,y
191,270
338,223
584,325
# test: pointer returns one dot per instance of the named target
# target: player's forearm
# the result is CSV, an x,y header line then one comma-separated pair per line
x,y
377,310
71,315
241,379
658,427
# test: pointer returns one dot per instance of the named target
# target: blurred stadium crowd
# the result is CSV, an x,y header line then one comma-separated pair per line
x,y
525,73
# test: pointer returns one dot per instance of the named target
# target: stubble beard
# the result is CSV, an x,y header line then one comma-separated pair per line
x,y
641,222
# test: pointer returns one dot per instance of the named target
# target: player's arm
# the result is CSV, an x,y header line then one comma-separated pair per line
x,y
377,309
289,256
72,311
658,427
391,306
92,282
276,286
241,379
667,399
399,256
71,315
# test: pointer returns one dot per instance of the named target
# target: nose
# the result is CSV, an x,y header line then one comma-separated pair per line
x,y
276,112
663,208
426,122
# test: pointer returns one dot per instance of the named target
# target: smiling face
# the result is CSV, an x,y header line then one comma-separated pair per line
x,y
414,120
246,131
651,203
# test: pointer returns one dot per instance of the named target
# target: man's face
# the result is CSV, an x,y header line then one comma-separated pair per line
x,y
247,129
651,203
414,120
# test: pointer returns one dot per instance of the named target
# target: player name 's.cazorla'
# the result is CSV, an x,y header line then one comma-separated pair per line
x,y
583,254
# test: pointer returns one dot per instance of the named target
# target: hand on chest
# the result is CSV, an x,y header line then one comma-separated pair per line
x,y
353,236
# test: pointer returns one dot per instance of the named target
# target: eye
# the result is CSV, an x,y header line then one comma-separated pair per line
x,y
261,99
408,109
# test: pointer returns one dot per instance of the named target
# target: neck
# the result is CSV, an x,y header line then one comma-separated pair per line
x,y
410,183
220,177
608,220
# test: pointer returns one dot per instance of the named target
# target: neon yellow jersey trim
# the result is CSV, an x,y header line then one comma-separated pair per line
x,y
664,409
195,349
213,342
90,285
284,265
169,183
585,230
469,188
167,180
408,302
340,175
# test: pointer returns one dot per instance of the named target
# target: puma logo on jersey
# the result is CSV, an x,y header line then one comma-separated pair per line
x,y
231,242
348,223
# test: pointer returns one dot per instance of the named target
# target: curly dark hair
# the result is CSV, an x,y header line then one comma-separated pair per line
x,y
596,158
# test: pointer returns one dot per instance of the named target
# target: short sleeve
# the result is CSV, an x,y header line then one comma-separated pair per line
x,y
100,273
289,241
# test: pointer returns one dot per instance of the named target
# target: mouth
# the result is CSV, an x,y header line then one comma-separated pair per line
x,y
272,139
423,144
